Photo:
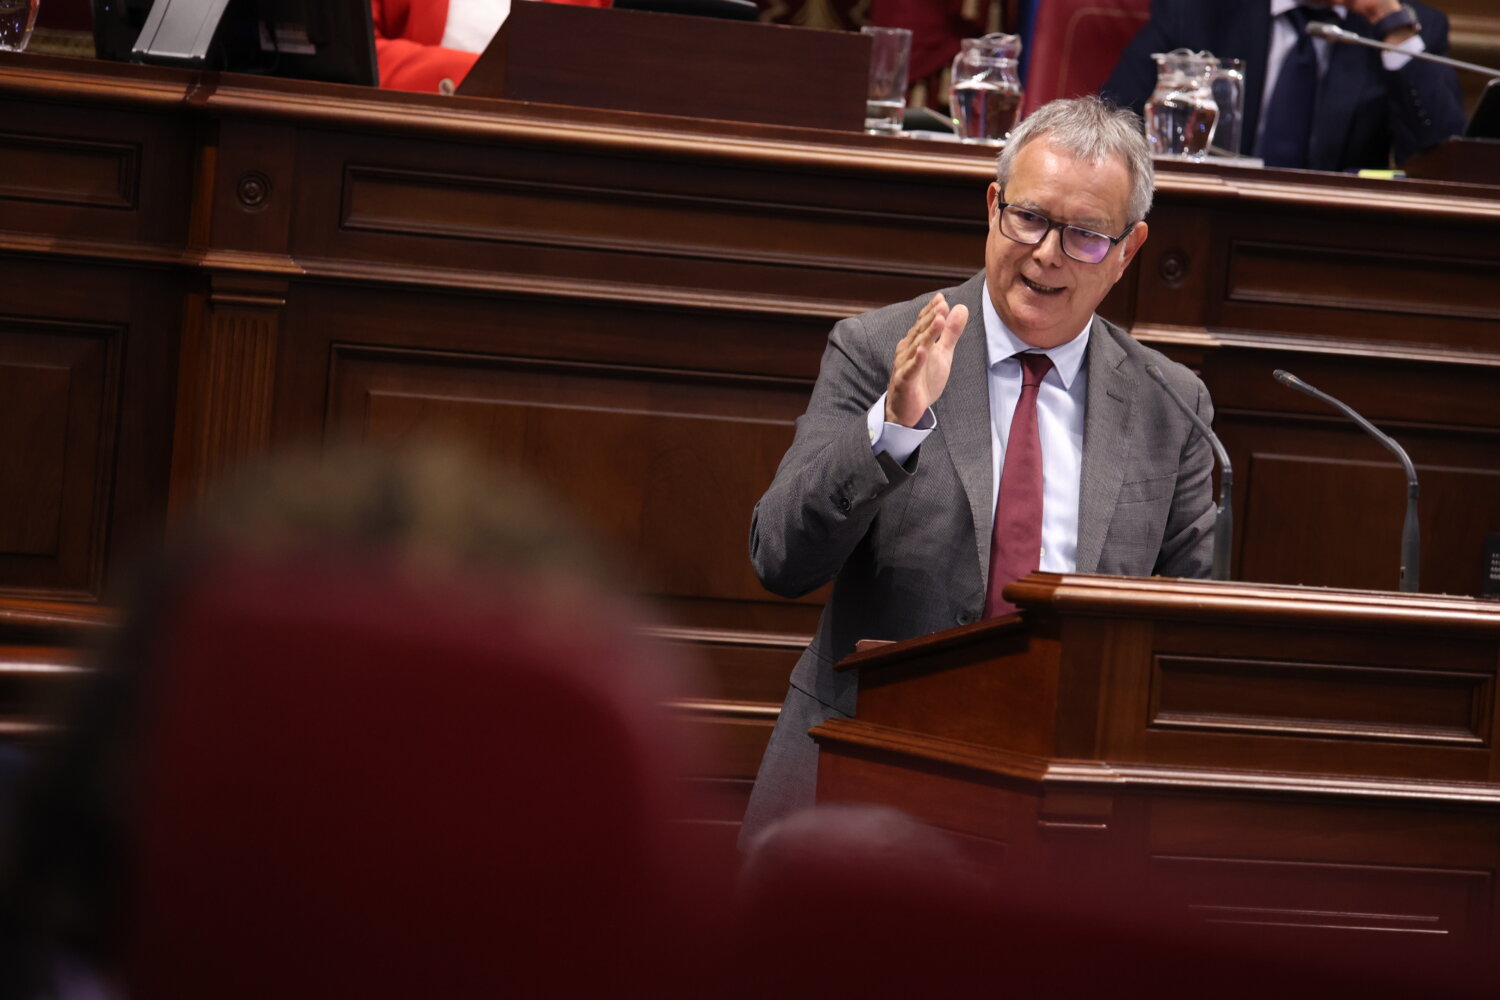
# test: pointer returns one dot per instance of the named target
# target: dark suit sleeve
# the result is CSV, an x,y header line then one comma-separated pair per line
x,y
1188,542
1426,103
829,485
1135,74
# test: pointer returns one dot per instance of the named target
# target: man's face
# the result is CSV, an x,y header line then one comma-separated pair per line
x,y
1041,293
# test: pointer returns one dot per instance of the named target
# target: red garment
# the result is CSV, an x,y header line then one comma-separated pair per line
x,y
408,34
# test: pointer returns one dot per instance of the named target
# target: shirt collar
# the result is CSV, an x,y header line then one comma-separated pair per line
x,y
1279,7
1002,344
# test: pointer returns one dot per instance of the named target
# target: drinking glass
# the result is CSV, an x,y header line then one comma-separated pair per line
x,y
17,17
1229,95
890,55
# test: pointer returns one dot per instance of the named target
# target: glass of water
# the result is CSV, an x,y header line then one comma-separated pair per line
x,y
890,56
17,18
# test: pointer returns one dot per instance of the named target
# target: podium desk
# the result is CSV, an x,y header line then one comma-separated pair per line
x,y
1267,758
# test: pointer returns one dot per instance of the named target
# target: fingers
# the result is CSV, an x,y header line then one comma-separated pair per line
x,y
953,326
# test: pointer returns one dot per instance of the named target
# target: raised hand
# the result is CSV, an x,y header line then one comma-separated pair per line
x,y
923,359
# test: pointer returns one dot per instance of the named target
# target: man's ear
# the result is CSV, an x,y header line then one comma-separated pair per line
x,y
1133,242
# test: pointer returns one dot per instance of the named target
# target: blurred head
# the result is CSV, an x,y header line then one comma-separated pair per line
x,y
390,701
1078,163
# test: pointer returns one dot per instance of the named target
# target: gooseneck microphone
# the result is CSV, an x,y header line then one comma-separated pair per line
x,y
1411,555
1333,33
1224,519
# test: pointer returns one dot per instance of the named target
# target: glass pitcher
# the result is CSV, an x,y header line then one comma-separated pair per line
x,y
1181,113
17,17
985,94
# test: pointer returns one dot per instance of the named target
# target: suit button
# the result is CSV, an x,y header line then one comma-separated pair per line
x,y
841,502
967,617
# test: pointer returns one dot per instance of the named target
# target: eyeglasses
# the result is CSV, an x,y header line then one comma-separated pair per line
x,y
1083,245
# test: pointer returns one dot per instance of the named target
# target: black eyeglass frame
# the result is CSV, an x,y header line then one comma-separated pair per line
x,y
1001,205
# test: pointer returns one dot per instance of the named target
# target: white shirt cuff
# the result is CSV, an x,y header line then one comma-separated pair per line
x,y
1395,60
897,440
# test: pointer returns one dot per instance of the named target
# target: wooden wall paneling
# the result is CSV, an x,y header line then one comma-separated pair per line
x,y
1292,257
226,383
86,473
84,177
59,384
660,462
1418,881
784,232
1404,334
1319,502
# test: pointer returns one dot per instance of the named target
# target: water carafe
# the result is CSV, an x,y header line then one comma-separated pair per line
x,y
1181,113
985,93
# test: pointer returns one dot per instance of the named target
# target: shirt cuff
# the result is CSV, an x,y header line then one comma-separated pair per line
x,y
897,440
1395,60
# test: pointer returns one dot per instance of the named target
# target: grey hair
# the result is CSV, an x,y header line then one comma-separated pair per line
x,y
1093,130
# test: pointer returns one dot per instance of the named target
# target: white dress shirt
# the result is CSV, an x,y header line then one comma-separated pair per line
x,y
1060,407
1283,38
472,23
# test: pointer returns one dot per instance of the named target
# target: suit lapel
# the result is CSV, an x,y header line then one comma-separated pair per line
x,y
1106,442
963,413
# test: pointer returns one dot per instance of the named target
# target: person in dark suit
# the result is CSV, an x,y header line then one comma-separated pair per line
x,y
890,485
1367,106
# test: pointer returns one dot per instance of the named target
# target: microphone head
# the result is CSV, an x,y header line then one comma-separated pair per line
x,y
1155,372
1284,377
1326,30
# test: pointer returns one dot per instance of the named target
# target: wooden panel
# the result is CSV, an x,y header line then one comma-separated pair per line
x,y
1377,700
1332,522
68,171
81,172
623,218
58,391
1310,699
1417,911
1362,280
538,51
224,399
658,461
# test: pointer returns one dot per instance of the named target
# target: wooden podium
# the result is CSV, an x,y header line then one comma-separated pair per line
x,y
1271,760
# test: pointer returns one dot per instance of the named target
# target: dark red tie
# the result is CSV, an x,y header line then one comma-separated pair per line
x,y
1016,545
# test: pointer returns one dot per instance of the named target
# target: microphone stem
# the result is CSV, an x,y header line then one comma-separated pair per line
x,y
1224,518
1343,35
1410,535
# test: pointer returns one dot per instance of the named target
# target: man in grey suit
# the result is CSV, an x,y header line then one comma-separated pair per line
x,y
889,486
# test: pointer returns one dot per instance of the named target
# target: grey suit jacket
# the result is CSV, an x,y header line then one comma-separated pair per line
x,y
908,547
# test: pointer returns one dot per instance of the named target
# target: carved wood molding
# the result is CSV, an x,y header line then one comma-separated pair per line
x,y
1050,774
1208,600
